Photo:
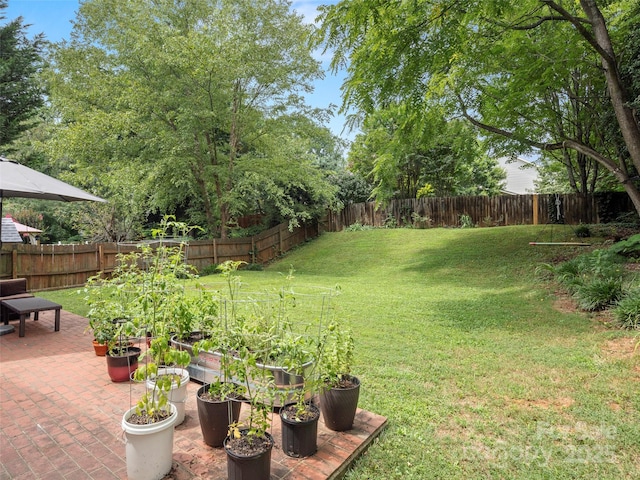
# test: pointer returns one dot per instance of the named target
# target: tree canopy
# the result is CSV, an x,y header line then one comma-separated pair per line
x,y
192,107
20,93
530,74
409,154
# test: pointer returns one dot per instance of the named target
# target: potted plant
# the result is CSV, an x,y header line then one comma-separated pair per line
x,y
219,401
167,373
148,426
248,445
106,305
103,331
155,275
195,317
340,390
122,357
299,419
299,426
122,361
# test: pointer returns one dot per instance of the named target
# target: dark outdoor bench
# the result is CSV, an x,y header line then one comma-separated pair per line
x,y
11,289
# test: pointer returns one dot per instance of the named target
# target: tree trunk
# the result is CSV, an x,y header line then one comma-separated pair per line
x,y
224,220
634,194
628,126
234,145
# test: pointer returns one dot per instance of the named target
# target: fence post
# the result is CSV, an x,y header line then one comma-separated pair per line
x,y
253,249
14,263
215,253
535,209
100,257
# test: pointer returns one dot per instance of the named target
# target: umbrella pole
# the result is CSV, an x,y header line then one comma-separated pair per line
x,y
1,196
4,329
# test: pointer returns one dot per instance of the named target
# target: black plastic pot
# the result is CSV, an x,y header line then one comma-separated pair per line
x,y
299,438
120,366
256,467
339,406
215,418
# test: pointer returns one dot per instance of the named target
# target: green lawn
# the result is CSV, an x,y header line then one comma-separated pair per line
x,y
458,343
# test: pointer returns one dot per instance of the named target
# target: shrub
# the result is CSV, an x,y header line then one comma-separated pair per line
x,y
569,274
629,247
419,221
209,270
598,293
357,227
602,263
599,264
627,310
466,221
582,231
390,221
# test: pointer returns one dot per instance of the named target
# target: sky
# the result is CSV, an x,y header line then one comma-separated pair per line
x,y
54,17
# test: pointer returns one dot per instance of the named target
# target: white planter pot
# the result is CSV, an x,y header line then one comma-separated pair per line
x,y
149,448
178,393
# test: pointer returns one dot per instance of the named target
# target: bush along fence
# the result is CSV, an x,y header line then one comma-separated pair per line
x,y
49,267
486,211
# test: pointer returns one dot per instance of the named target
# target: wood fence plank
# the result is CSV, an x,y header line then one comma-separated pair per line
x,y
58,266
502,209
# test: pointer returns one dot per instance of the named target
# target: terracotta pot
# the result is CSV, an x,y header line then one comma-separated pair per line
x,y
100,348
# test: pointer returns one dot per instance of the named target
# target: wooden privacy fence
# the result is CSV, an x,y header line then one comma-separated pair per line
x,y
48,267
482,210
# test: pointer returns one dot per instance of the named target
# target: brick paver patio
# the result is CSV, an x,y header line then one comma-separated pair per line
x,y
60,417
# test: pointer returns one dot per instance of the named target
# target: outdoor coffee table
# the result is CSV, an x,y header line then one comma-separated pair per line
x,y
25,306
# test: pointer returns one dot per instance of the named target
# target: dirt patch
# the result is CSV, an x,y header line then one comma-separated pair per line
x,y
621,348
632,267
564,303
615,406
603,320
556,404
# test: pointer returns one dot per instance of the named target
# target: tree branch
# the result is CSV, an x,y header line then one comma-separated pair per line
x,y
578,24
505,133
576,145
541,20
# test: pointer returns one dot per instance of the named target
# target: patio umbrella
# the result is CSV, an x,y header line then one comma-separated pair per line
x,y
16,180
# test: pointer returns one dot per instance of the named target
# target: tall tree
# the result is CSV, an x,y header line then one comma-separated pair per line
x,y
405,153
20,93
495,63
192,93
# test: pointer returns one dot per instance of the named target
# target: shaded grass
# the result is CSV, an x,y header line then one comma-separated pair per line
x,y
458,344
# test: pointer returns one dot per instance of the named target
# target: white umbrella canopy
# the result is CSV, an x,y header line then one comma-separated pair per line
x,y
17,180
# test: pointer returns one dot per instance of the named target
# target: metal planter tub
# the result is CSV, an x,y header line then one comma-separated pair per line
x,y
205,368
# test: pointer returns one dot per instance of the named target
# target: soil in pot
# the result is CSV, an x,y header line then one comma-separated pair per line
x,y
215,416
299,430
339,404
121,364
249,458
143,418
